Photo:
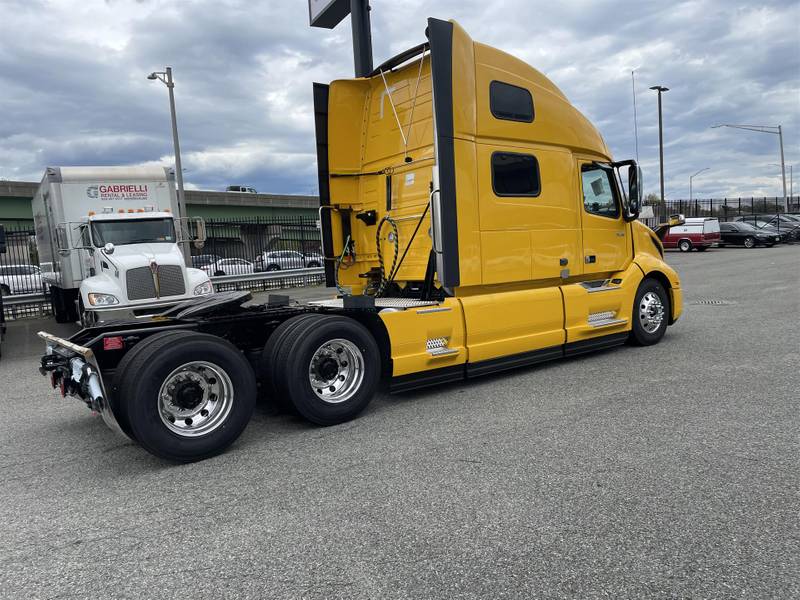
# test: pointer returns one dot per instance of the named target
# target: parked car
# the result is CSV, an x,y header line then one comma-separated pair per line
x,y
20,279
743,234
243,189
203,260
786,227
696,232
229,266
279,260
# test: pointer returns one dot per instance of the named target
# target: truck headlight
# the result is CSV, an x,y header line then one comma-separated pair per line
x,y
204,289
102,300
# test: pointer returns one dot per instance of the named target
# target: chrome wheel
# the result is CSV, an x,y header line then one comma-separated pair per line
x,y
651,312
336,371
195,399
749,242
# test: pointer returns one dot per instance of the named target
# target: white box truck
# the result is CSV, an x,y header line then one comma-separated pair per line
x,y
108,243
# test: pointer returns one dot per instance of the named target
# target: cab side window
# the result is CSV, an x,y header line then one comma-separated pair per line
x,y
515,174
599,192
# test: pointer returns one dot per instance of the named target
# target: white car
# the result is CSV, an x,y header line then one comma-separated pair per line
x,y
280,260
229,266
20,279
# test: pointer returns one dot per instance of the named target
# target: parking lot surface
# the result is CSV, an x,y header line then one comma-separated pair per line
x,y
661,472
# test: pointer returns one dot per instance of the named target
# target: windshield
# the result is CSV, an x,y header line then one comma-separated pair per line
x,y
133,231
748,226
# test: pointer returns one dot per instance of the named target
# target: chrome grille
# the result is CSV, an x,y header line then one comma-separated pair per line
x,y
141,285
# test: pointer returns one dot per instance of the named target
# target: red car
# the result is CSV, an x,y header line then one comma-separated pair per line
x,y
696,232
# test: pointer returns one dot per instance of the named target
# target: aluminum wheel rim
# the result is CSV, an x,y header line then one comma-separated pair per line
x,y
749,243
651,312
336,371
210,387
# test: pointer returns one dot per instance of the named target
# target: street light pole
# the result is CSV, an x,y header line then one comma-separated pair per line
x,y
776,130
660,89
635,120
166,78
791,179
692,177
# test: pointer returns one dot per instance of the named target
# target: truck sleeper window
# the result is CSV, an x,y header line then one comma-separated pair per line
x,y
599,194
133,231
515,174
510,102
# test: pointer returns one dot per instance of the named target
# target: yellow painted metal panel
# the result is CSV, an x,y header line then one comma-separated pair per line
x,y
579,303
468,216
506,256
409,330
556,121
513,322
464,98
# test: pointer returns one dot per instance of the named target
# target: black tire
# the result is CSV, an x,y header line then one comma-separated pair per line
x,y
749,242
273,268
88,318
294,362
219,273
269,358
312,265
639,336
769,245
5,290
702,248
117,381
684,245
154,363
60,305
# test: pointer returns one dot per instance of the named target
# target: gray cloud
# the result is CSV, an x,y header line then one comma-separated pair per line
x,y
74,91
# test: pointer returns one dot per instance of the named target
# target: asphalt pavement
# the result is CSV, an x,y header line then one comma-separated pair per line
x,y
664,472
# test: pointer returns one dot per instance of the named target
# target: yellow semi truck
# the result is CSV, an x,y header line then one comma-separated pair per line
x,y
473,221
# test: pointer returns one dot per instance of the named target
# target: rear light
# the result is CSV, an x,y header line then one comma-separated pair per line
x,y
113,343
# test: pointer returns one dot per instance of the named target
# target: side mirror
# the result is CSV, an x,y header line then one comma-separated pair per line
x,y
108,248
635,192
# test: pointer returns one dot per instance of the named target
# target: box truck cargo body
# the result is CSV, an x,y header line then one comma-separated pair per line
x,y
108,242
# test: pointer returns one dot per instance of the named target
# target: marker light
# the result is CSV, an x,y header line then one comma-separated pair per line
x,y
113,343
130,210
91,213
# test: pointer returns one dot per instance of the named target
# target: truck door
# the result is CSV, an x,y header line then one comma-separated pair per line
x,y
606,235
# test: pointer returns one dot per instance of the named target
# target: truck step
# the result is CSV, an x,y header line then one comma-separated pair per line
x,y
605,319
438,347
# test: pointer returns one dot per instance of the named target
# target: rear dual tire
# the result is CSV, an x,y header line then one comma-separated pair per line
x,y
184,396
326,367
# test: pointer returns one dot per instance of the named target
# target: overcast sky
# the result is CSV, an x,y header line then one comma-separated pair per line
x,y
73,89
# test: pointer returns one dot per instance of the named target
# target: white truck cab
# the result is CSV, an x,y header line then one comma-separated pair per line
x,y
108,243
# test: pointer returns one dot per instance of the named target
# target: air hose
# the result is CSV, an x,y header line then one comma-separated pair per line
x,y
396,242
339,261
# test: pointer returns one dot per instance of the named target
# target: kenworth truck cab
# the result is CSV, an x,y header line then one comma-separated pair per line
x,y
108,243
473,221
